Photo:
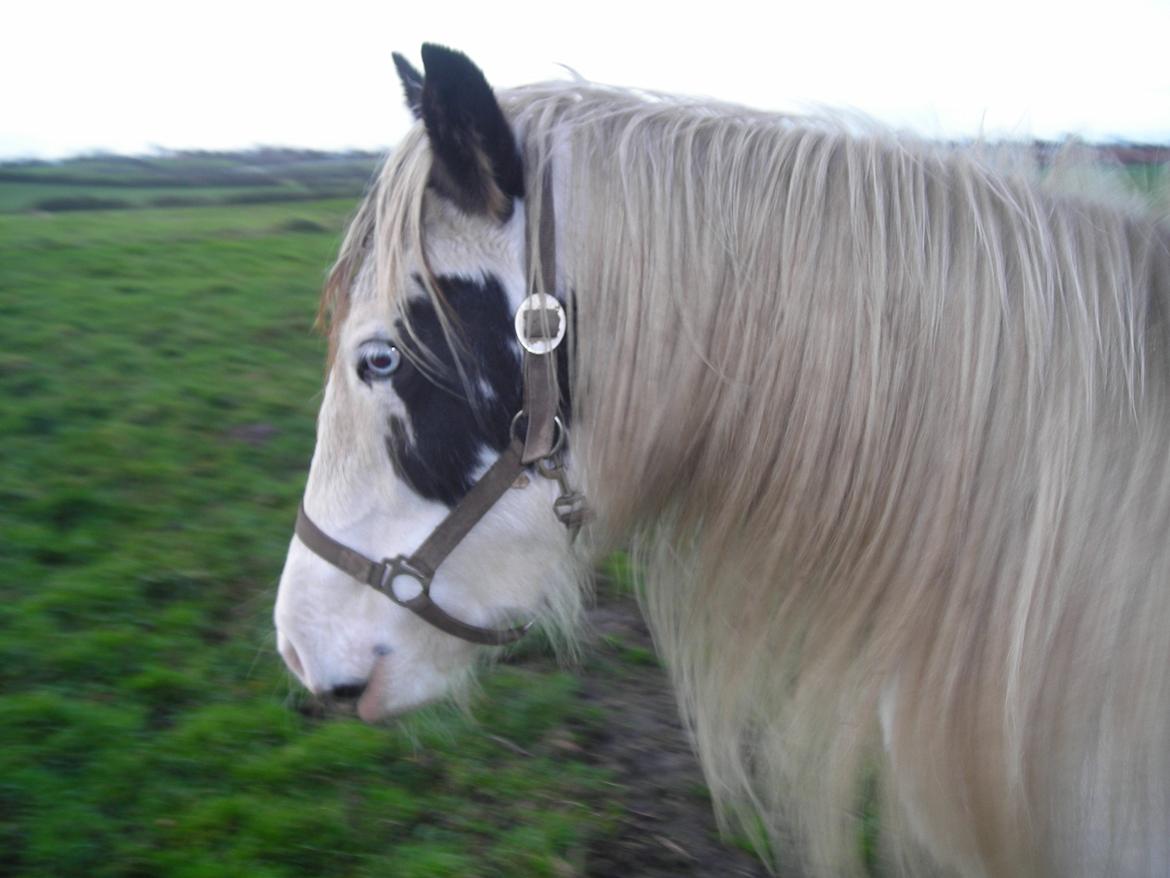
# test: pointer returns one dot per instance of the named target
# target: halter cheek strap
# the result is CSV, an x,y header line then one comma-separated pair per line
x,y
406,579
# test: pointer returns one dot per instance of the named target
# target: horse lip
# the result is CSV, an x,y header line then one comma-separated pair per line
x,y
370,707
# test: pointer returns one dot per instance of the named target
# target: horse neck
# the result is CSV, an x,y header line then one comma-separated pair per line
x,y
869,316
703,366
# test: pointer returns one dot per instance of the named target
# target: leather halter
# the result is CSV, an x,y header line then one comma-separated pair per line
x,y
406,579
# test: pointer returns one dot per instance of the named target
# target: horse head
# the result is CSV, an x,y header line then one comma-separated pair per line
x,y
422,409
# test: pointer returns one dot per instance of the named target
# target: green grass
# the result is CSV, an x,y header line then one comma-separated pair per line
x,y
160,378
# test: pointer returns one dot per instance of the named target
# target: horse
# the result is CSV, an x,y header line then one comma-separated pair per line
x,y
882,422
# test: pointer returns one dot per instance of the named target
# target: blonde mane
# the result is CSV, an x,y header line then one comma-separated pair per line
x,y
887,428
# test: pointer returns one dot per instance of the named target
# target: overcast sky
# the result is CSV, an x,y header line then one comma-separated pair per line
x,y
127,77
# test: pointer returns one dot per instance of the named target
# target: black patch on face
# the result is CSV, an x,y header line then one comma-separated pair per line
x,y
449,430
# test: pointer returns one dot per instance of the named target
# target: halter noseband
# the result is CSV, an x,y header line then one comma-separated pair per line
x,y
541,324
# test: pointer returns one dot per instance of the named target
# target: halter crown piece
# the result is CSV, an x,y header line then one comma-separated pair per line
x,y
406,579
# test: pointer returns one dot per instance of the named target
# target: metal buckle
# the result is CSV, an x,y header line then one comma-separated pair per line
x,y
398,567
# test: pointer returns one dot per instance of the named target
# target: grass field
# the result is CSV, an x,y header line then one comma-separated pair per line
x,y
160,379
160,376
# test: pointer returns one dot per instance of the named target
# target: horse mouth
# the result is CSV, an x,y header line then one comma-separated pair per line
x,y
371,706
382,700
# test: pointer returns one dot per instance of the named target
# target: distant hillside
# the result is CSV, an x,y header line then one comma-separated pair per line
x,y
172,179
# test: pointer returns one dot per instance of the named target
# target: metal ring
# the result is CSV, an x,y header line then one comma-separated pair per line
x,y
558,438
399,566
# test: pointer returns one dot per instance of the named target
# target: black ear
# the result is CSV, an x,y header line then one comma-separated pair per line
x,y
476,163
412,84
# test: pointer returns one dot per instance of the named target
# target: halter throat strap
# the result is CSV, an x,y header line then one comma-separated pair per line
x,y
406,579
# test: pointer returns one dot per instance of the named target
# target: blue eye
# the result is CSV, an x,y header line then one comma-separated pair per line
x,y
378,362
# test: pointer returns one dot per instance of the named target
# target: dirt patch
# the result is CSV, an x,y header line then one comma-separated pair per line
x,y
667,827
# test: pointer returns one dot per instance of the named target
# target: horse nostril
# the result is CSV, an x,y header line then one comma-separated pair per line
x,y
348,691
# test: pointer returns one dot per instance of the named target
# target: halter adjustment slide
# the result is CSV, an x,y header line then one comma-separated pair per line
x,y
540,324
